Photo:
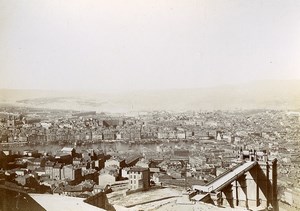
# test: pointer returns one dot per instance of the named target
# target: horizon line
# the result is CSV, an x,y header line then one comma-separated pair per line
x,y
143,89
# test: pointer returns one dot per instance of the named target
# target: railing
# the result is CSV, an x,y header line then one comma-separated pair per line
x,y
224,173
235,175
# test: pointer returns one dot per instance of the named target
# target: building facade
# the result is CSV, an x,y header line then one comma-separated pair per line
x,y
139,178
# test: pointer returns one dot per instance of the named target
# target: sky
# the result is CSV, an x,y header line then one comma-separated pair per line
x,y
146,44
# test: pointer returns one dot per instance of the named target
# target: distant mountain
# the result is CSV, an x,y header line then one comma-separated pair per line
x,y
255,95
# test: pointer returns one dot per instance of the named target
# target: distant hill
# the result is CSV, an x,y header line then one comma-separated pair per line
x,y
254,95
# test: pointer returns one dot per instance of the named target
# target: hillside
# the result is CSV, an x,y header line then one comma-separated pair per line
x,y
254,95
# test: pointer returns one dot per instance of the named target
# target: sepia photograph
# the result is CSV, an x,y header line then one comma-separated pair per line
x,y
150,105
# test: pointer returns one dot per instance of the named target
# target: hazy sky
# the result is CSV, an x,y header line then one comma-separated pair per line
x,y
146,44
